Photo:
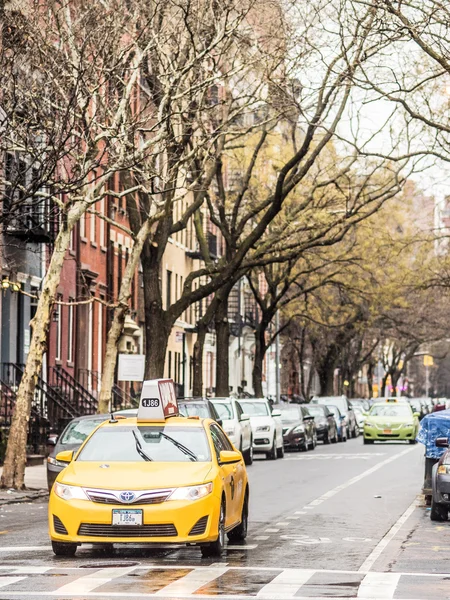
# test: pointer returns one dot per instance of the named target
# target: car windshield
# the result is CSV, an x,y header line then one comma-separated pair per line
x,y
388,410
78,431
316,410
255,409
335,411
224,410
194,409
290,414
341,403
138,443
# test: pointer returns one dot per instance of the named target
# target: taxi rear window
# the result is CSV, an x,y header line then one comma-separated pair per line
x,y
140,443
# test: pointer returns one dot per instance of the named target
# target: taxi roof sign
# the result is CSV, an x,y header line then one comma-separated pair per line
x,y
158,400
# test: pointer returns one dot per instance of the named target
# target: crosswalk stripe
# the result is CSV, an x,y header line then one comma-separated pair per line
x,y
191,582
4,581
88,583
286,584
381,586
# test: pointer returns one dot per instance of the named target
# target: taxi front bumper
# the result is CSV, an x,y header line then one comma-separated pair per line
x,y
380,433
170,522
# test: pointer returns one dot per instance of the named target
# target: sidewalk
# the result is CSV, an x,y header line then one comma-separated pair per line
x,y
36,482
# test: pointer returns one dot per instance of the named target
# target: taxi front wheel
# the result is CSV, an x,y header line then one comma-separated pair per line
x,y
216,548
63,548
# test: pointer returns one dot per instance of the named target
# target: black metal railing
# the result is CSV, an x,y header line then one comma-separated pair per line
x,y
73,392
91,380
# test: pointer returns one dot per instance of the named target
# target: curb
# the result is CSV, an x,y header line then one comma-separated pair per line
x,y
16,497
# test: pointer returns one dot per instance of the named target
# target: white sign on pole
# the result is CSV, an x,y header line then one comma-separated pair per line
x,y
179,337
131,367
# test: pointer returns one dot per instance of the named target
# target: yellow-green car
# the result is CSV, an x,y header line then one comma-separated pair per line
x,y
391,420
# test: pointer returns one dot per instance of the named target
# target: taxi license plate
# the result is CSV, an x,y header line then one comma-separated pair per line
x,y
127,517
387,431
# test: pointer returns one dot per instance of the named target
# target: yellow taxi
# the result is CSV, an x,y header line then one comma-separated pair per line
x,y
157,478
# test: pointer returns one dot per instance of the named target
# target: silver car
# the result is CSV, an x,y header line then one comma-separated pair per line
x,y
236,425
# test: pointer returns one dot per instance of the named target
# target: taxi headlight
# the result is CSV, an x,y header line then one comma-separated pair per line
x,y
366,424
69,492
408,425
192,492
263,428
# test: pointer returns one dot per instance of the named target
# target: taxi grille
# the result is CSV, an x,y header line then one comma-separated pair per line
x,y
59,526
200,526
109,497
131,531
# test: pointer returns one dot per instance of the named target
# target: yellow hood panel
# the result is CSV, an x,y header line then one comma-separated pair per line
x,y
135,476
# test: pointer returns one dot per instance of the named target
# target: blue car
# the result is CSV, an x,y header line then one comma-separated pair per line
x,y
341,422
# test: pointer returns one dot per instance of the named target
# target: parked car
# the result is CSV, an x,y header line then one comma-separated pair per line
x,y
440,479
360,415
361,402
299,429
418,405
198,407
345,409
266,427
326,428
236,425
341,423
391,420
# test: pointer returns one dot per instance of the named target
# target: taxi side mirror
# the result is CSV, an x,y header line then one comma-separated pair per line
x,y
65,456
416,414
227,457
442,442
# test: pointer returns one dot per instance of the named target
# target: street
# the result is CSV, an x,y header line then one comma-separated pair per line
x,y
344,521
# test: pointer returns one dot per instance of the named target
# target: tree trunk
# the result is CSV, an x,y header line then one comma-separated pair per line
x,y
115,331
326,378
260,351
197,385
157,329
222,340
370,371
15,459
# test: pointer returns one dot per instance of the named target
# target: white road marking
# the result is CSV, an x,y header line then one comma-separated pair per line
x,y
30,570
191,582
299,512
88,583
292,518
381,586
354,480
4,581
244,547
286,584
271,530
24,548
261,537
282,523
379,548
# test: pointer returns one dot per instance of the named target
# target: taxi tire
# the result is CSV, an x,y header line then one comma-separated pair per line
x,y
239,533
216,548
63,548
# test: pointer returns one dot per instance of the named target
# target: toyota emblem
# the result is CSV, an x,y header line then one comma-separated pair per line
x,y
127,496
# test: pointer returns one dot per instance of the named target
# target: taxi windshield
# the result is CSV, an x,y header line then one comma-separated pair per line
x,y
387,410
255,409
224,409
139,443
78,431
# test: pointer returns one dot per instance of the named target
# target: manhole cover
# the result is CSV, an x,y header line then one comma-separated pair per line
x,y
109,565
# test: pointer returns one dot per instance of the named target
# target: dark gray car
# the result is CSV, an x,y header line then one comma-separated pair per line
x,y
345,408
299,430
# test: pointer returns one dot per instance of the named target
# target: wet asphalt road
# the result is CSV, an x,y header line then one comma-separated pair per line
x,y
318,525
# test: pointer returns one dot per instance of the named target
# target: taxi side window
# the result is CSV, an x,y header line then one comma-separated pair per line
x,y
219,440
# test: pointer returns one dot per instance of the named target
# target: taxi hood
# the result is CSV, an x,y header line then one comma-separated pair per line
x,y
381,419
134,476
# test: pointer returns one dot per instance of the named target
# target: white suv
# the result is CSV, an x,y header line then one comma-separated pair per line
x,y
236,425
266,426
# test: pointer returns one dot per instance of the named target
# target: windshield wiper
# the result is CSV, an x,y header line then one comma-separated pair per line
x,y
183,448
139,448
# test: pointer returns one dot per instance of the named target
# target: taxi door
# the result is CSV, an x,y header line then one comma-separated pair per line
x,y
231,476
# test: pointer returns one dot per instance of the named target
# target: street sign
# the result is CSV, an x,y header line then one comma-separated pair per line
x,y
131,367
179,337
428,360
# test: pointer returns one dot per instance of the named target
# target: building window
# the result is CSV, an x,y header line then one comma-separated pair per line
x,y
83,226
170,364
119,268
58,328
102,223
93,225
70,333
168,289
